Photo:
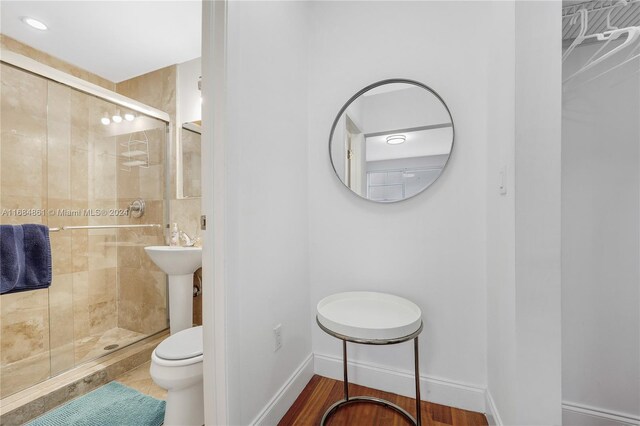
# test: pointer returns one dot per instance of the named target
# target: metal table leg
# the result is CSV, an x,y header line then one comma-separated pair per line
x,y
368,399
345,371
416,357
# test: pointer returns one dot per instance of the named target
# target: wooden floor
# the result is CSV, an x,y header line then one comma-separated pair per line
x,y
321,392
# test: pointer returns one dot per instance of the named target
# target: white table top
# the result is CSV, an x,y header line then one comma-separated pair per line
x,y
369,315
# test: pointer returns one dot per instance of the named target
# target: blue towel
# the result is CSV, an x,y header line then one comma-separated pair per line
x,y
25,258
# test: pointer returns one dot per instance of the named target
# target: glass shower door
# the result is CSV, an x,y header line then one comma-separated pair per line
x,y
66,168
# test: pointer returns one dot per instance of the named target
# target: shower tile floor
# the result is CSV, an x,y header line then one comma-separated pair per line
x,y
94,346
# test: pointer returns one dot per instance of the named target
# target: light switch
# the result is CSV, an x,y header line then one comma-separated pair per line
x,y
502,181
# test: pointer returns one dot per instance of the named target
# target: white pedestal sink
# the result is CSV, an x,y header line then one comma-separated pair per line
x,y
179,263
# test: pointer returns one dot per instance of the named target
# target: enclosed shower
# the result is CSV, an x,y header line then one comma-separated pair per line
x,y
601,213
92,166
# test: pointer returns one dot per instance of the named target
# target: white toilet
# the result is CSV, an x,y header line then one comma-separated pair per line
x,y
176,365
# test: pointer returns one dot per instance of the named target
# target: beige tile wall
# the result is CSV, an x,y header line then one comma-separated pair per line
x,y
142,306
141,284
158,89
191,143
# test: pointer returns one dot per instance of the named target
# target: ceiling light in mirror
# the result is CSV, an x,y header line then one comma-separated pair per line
x,y
105,120
396,139
34,23
117,118
391,140
129,117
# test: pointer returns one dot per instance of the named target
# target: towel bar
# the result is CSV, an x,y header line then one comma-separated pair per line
x,y
70,228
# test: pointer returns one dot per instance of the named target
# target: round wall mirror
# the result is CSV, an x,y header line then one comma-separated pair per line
x,y
391,140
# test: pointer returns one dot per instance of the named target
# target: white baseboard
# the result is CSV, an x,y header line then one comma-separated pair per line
x,y
491,411
575,414
273,412
439,391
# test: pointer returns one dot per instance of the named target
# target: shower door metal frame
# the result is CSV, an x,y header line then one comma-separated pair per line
x,y
50,73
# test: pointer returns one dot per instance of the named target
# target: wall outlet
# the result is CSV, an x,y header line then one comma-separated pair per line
x,y
277,337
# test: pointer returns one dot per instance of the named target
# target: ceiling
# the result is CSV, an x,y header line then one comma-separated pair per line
x,y
421,143
116,40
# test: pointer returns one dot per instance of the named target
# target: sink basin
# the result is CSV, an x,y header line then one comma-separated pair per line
x,y
176,260
179,263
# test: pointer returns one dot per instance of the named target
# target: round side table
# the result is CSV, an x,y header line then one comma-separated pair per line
x,y
371,318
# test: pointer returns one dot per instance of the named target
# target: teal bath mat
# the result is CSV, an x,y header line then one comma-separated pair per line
x,y
113,404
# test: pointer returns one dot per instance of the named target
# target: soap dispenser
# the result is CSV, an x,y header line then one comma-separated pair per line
x,y
175,235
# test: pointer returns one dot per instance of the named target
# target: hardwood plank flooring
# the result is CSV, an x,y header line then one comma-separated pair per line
x,y
321,392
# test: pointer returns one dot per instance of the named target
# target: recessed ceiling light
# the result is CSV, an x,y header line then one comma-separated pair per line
x,y
34,23
129,117
105,120
117,118
396,139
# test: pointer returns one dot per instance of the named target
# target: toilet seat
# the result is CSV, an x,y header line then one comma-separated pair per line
x,y
182,348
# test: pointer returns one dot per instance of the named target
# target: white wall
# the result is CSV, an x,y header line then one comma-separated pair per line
x,y
537,212
266,203
501,280
295,234
523,228
215,369
600,245
430,249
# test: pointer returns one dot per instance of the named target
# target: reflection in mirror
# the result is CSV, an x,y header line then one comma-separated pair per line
x,y
391,141
190,136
